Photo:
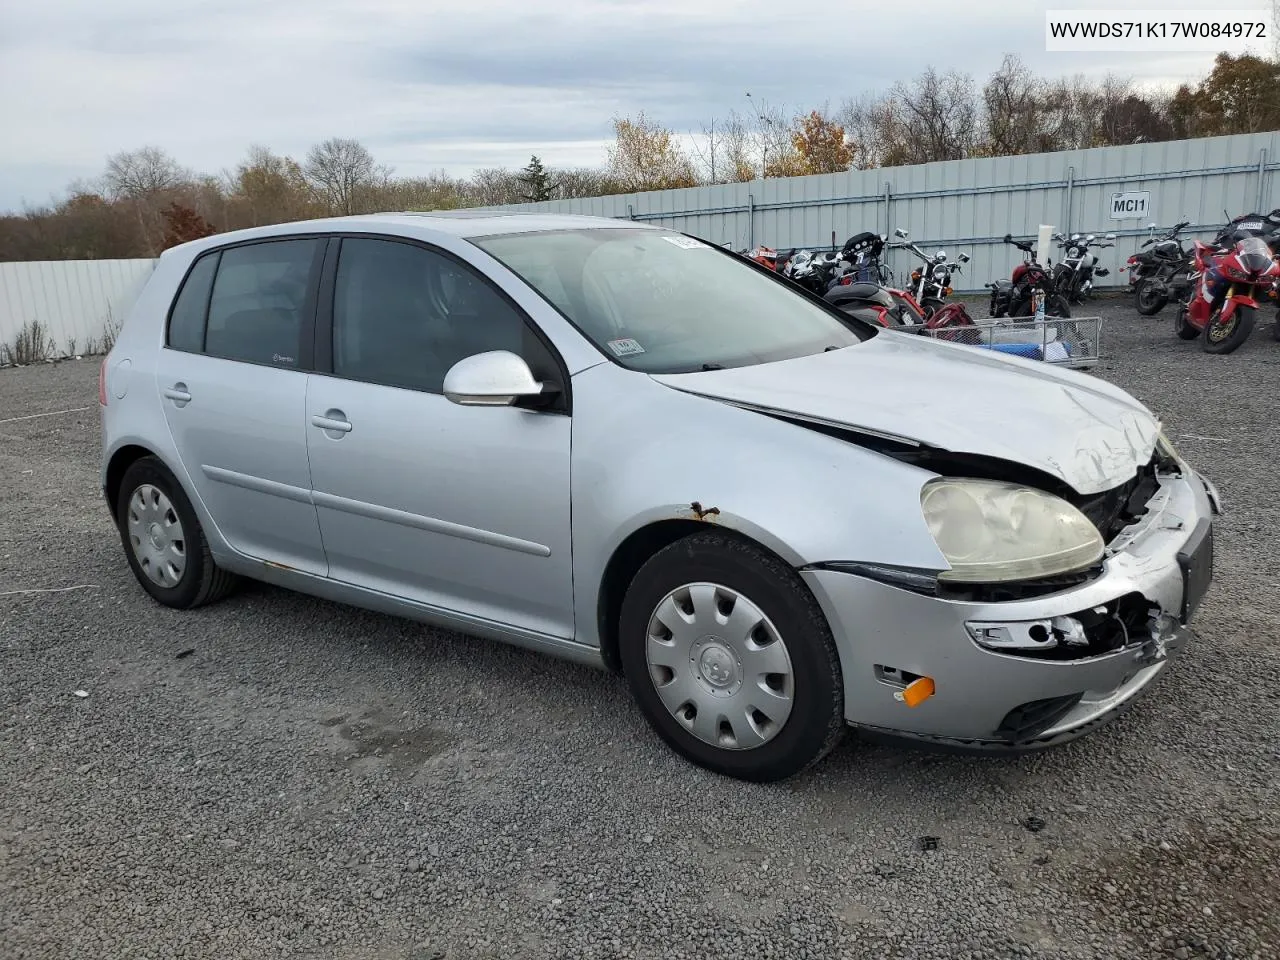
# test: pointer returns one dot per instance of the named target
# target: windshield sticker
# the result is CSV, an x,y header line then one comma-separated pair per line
x,y
685,243
625,347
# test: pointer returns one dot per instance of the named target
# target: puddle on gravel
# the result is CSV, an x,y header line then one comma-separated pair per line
x,y
371,739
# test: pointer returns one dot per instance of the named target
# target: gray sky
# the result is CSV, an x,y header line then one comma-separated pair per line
x,y
442,84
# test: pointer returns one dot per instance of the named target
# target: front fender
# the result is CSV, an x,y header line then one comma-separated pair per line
x,y
1238,300
645,452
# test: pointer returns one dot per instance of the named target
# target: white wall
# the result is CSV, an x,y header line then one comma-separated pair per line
x,y
76,301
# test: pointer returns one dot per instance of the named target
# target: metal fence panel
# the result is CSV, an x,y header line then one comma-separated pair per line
x,y
76,301
969,205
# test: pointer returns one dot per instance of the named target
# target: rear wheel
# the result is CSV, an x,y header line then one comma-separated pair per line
x,y
731,659
1149,301
1227,337
929,306
163,539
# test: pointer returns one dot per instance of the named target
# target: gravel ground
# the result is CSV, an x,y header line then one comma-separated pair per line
x,y
277,776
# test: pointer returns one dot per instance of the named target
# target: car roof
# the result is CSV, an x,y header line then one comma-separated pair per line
x,y
457,223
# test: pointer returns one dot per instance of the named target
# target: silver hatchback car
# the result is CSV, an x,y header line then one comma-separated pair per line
x,y
620,445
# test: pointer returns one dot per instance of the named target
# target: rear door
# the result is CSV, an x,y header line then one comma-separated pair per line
x,y
233,381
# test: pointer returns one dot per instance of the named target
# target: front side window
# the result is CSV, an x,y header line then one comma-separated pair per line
x,y
403,315
259,297
664,303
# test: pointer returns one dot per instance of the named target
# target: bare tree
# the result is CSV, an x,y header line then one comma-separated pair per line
x,y
1011,102
942,113
135,174
344,174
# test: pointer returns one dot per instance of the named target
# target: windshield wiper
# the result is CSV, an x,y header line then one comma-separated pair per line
x,y
713,366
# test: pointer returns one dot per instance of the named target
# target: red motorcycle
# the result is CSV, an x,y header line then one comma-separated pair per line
x,y
1224,298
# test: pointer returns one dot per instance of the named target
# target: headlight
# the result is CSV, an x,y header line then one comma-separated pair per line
x,y
992,532
1166,447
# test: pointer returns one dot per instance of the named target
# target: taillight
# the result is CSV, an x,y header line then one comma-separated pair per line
x,y
102,382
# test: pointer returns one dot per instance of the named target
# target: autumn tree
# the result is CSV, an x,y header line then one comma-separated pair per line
x,y
182,224
538,185
821,144
1012,115
645,156
271,187
1240,95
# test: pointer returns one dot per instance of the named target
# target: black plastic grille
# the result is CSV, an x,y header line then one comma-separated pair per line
x,y
1031,719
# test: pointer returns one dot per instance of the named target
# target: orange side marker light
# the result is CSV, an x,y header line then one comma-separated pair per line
x,y
916,692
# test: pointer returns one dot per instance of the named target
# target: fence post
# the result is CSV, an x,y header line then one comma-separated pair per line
x,y
1262,179
631,212
888,207
1066,219
751,222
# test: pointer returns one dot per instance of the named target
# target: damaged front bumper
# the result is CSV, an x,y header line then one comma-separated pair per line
x,y
1026,674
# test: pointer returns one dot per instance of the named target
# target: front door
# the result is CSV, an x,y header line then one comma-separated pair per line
x,y
461,508
233,390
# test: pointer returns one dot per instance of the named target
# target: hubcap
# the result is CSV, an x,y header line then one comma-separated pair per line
x,y
156,536
720,666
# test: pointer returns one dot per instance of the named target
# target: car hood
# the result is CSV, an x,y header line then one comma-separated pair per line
x,y
1084,431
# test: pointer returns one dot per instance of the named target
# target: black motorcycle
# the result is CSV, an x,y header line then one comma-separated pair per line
x,y
874,303
1030,282
930,283
1162,273
1073,274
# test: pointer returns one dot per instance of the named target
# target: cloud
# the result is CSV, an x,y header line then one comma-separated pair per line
x,y
427,84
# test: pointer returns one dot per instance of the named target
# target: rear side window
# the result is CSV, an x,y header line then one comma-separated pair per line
x,y
186,320
256,312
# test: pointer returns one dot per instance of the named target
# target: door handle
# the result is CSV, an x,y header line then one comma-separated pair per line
x,y
178,394
332,420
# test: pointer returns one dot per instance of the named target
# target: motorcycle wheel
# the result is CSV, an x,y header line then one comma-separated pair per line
x,y
1147,301
929,306
1057,306
1226,339
1182,327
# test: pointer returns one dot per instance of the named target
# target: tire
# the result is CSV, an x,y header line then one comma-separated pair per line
x,y
177,571
1057,306
1182,328
1243,319
724,570
1147,302
930,306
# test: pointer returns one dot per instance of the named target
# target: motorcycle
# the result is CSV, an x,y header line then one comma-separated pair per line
x,y
863,251
1225,295
1074,273
1161,274
817,272
1029,286
930,284
874,302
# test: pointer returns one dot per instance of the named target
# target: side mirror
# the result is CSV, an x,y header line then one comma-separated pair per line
x,y
900,233
495,379
1008,238
964,258
1110,236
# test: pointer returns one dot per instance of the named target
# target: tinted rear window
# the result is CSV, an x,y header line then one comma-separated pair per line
x,y
186,320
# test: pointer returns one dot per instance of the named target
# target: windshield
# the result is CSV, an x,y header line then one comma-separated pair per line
x,y
665,303
1254,254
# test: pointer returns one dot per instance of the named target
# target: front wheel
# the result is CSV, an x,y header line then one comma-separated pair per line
x,y
1227,337
731,659
1148,301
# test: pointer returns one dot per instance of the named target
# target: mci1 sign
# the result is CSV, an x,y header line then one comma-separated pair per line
x,y
1136,203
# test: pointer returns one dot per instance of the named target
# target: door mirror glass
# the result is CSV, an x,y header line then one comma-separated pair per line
x,y
497,378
